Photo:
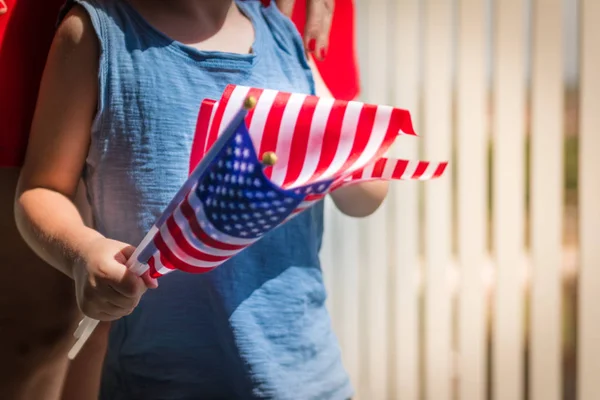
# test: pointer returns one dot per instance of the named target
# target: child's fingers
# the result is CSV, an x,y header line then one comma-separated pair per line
x,y
125,253
104,303
115,310
151,283
124,281
319,15
107,312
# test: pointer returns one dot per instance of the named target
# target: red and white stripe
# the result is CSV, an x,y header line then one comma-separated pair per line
x,y
394,169
199,145
314,138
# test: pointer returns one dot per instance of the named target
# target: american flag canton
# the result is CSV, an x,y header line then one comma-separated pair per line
x,y
231,205
238,198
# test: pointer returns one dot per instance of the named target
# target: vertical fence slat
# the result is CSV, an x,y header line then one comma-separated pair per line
x,y
472,195
508,199
547,138
436,140
349,291
330,265
376,271
361,377
404,202
375,260
589,204
341,264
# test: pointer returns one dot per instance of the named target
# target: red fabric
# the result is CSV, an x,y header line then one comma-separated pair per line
x,y
339,69
26,32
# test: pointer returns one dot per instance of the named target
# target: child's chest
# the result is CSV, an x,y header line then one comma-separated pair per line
x,y
233,33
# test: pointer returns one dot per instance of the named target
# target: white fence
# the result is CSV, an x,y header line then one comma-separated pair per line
x,y
422,289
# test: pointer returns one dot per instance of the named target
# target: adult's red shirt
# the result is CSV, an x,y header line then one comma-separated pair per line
x,y
26,31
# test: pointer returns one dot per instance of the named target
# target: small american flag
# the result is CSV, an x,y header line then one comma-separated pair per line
x,y
232,199
230,206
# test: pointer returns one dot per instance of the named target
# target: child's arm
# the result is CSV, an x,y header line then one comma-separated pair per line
x,y
60,136
361,199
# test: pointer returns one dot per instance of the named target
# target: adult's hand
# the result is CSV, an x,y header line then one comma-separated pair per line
x,y
319,14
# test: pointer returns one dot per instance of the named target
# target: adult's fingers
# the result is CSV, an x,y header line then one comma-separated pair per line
x,y
319,15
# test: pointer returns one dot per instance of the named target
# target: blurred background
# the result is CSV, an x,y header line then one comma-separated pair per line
x,y
484,284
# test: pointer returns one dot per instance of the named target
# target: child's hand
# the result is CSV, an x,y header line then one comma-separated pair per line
x,y
106,290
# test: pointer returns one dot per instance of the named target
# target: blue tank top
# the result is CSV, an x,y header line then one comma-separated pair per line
x,y
257,326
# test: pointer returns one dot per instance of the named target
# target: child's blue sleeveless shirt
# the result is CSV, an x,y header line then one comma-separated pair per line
x,y
257,326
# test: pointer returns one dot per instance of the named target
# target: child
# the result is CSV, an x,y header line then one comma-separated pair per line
x,y
118,104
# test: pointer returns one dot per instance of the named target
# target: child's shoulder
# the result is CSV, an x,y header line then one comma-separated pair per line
x,y
93,10
75,31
